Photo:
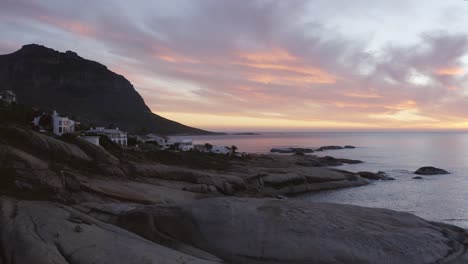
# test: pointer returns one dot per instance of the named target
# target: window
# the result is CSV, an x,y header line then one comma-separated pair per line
x,y
60,130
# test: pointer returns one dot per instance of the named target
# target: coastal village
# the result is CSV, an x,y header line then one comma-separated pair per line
x,y
60,125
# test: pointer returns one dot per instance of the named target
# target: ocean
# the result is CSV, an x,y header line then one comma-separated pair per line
x,y
442,198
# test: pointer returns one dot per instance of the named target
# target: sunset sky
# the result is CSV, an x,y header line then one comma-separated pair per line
x,y
269,65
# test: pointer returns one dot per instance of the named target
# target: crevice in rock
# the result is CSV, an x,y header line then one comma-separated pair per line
x,y
62,253
458,245
36,229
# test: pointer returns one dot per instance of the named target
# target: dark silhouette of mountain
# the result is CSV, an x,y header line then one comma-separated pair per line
x,y
52,80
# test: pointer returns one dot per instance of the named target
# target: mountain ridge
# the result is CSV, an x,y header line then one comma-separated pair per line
x,y
64,81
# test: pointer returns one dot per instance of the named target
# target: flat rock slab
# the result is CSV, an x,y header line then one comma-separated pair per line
x,y
44,232
137,192
243,230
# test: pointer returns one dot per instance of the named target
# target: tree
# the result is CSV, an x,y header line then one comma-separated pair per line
x,y
46,122
233,149
208,147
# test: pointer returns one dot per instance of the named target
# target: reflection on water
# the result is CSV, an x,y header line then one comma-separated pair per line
x,y
439,198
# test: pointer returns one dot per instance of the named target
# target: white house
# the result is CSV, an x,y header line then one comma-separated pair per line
x,y
181,144
212,149
60,125
115,135
220,150
163,142
185,144
7,96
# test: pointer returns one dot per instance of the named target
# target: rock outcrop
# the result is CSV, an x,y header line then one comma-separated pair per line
x,y
375,176
286,231
45,232
430,171
291,150
329,148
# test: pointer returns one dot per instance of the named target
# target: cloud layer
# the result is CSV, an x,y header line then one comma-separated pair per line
x,y
267,64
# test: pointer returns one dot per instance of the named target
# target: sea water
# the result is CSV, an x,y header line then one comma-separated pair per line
x,y
441,198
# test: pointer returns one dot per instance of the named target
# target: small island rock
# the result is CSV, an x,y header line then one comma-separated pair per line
x,y
328,148
430,171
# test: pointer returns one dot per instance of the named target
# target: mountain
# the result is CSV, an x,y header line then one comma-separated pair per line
x,y
53,80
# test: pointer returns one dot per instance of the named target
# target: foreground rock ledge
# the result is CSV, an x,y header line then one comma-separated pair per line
x,y
243,230
44,232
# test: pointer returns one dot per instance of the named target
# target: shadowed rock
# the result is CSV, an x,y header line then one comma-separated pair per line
x,y
375,176
328,148
430,171
291,150
44,232
241,230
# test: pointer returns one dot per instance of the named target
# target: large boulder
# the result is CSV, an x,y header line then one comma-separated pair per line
x,y
21,172
44,232
46,147
322,148
274,182
241,230
227,184
430,171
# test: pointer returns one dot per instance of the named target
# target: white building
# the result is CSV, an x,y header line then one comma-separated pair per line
x,y
162,142
7,96
185,145
60,125
114,135
181,144
220,150
212,149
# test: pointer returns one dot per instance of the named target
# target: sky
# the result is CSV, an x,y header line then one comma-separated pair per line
x,y
265,65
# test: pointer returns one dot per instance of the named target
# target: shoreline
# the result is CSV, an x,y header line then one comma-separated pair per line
x,y
195,208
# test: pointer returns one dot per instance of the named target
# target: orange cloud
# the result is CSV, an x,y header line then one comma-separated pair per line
x,y
267,78
70,25
278,60
369,95
174,58
451,71
352,105
276,55
406,105
168,55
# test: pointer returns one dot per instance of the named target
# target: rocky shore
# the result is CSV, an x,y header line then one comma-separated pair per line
x,y
63,200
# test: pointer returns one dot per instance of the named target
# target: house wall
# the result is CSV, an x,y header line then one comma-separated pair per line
x,y
220,150
115,135
62,125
